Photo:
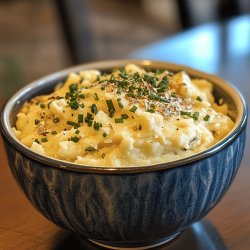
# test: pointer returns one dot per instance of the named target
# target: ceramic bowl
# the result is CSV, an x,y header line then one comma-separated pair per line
x,y
129,206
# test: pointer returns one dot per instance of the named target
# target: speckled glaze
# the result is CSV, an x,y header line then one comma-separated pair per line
x,y
124,208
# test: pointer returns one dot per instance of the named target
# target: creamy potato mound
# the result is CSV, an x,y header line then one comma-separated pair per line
x,y
130,117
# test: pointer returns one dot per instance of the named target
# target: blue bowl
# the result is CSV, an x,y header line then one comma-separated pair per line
x,y
129,206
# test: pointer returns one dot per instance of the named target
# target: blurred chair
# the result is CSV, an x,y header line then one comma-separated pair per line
x,y
97,30
193,12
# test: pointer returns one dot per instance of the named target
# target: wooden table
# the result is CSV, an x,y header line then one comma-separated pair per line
x,y
223,49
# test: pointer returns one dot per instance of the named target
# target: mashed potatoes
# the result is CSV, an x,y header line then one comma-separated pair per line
x,y
130,117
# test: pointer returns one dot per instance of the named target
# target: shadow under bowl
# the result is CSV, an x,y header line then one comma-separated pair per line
x,y
130,206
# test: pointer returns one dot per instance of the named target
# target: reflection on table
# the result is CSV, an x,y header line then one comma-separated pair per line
x,y
219,48
200,236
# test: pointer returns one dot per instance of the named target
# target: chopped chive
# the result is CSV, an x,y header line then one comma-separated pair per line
x,y
94,109
199,99
82,96
73,87
59,97
158,98
88,117
75,139
131,94
44,139
140,92
90,122
150,110
104,134
196,116
185,113
163,85
96,97
124,116
73,104
173,95
77,131
111,107
54,132
37,121
56,120
119,99
119,120
133,109
82,105
140,127
150,79
120,104
102,87
119,91
80,118
97,125
90,148
74,124
206,117
37,141
42,105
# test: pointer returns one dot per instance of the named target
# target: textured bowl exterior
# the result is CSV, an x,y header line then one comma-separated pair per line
x,y
127,207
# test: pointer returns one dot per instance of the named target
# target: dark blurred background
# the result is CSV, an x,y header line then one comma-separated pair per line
x,y
40,37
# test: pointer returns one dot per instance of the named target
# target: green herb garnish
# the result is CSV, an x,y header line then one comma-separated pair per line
x,y
74,124
124,116
120,103
94,109
37,141
88,117
96,97
196,116
206,118
54,132
150,110
199,99
111,108
90,122
97,125
119,120
186,113
104,134
73,87
90,148
133,109
73,104
44,139
82,96
42,105
80,118
75,139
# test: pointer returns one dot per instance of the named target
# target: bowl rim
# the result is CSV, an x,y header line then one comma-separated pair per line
x,y
230,90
